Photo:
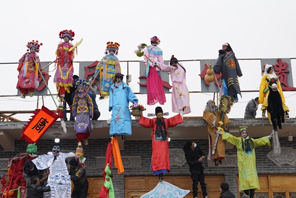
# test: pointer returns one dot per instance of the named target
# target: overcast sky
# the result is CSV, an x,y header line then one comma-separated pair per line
x,y
187,29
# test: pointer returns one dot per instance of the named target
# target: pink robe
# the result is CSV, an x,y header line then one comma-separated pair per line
x,y
155,91
180,94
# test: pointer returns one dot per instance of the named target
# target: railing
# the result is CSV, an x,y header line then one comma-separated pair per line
x,y
4,117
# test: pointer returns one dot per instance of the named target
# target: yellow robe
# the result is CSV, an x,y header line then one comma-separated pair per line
x,y
248,178
263,96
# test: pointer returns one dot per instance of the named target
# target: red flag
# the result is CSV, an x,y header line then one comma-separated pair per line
x,y
39,123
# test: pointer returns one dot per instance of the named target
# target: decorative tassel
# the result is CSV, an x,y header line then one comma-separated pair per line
x,y
63,124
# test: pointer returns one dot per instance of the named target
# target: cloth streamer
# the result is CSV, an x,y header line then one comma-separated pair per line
x,y
117,156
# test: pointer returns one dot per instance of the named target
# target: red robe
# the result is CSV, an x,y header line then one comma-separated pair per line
x,y
160,148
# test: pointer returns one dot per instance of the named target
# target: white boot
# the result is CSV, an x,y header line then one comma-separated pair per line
x,y
181,113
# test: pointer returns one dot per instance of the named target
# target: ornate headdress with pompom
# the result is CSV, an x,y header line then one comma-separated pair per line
x,y
34,44
155,39
112,47
68,33
82,83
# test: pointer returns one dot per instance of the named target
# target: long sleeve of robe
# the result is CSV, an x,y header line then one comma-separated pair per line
x,y
248,178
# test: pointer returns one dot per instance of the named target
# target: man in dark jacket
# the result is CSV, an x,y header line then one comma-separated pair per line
x,y
35,190
69,99
225,193
251,108
194,157
92,93
78,176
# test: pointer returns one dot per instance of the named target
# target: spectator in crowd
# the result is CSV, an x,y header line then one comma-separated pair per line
x,y
251,108
225,193
194,157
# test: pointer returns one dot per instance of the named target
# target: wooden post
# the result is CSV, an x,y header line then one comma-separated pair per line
x,y
37,102
127,73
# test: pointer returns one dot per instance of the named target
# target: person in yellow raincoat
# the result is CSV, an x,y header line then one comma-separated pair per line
x,y
246,158
264,90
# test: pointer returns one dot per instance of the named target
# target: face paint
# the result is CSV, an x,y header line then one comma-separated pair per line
x,y
159,115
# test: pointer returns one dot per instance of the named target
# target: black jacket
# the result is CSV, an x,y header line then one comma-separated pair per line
x,y
227,194
192,159
78,176
37,191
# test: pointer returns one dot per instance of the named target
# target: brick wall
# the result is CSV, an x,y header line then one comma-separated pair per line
x,y
143,149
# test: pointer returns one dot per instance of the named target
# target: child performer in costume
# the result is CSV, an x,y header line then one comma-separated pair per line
x,y
152,56
28,70
64,72
246,158
180,95
107,68
160,143
59,178
264,90
120,96
229,66
83,111
213,116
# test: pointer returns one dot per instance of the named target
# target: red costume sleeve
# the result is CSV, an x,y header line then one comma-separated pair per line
x,y
174,121
146,122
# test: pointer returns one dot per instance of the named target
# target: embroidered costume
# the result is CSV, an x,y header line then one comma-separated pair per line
x,y
160,143
213,116
229,66
264,90
83,111
246,158
28,70
59,178
120,96
152,56
107,68
64,72
180,93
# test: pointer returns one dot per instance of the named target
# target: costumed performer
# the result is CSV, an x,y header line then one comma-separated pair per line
x,y
120,96
83,110
246,158
160,142
59,178
264,90
28,70
64,72
180,95
213,116
153,55
229,66
107,68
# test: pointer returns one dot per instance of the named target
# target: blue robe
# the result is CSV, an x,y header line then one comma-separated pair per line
x,y
120,96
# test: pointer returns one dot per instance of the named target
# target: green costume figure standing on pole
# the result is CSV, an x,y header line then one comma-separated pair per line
x,y
246,158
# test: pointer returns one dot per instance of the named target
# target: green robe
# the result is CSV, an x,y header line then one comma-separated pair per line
x,y
248,178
